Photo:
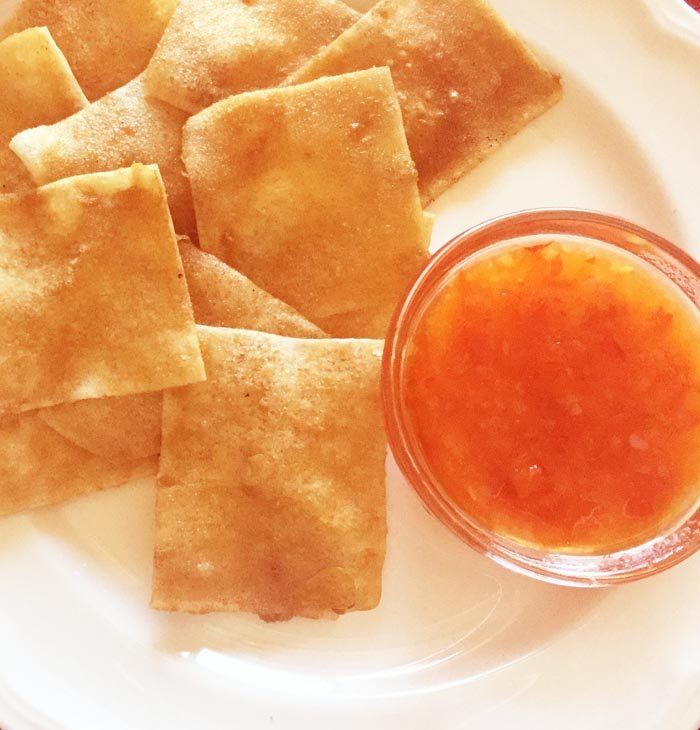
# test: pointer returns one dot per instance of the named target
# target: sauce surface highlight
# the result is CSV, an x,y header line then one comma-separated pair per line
x,y
554,392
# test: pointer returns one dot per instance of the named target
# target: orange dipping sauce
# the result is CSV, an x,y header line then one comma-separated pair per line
x,y
554,393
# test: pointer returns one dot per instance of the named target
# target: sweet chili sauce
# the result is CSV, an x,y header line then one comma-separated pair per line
x,y
554,394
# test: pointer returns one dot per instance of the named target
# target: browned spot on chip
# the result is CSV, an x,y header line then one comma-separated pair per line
x,y
214,48
271,493
106,43
121,128
90,299
311,192
465,81
38,87
38,467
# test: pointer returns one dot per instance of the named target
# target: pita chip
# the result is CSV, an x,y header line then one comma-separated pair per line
x,y
126,428
465,81
38,87
120,129
214,48
92,293
310,191
38,467
106,43
271,492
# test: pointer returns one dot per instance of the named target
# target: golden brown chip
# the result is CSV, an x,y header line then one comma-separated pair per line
x,y
38,87
271,495
465,82
373,319
121,429
311,193
214,48
126,428
106,43
121,128
93,300
346,324
38,467
221,297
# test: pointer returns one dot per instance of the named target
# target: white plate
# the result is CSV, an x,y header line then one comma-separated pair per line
x,y
457,641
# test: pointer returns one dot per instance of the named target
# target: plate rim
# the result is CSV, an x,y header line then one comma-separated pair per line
x,y
673,16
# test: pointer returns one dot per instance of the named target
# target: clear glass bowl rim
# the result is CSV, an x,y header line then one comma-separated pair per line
x,y
580,570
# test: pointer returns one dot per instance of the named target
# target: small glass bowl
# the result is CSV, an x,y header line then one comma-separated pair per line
x,y
586,570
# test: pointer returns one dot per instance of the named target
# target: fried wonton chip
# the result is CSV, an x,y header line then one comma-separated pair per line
x,y
310,191
121,429
120,129
372,319
465,82
221,297
214,48
271,495
106,43
93,300
38,87
38,467
127,428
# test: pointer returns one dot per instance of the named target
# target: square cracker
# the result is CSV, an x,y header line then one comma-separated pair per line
x,y
311,192
93,299
38,467
271,495
120,129
465,81
214,48
38,87
106,43
126,428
